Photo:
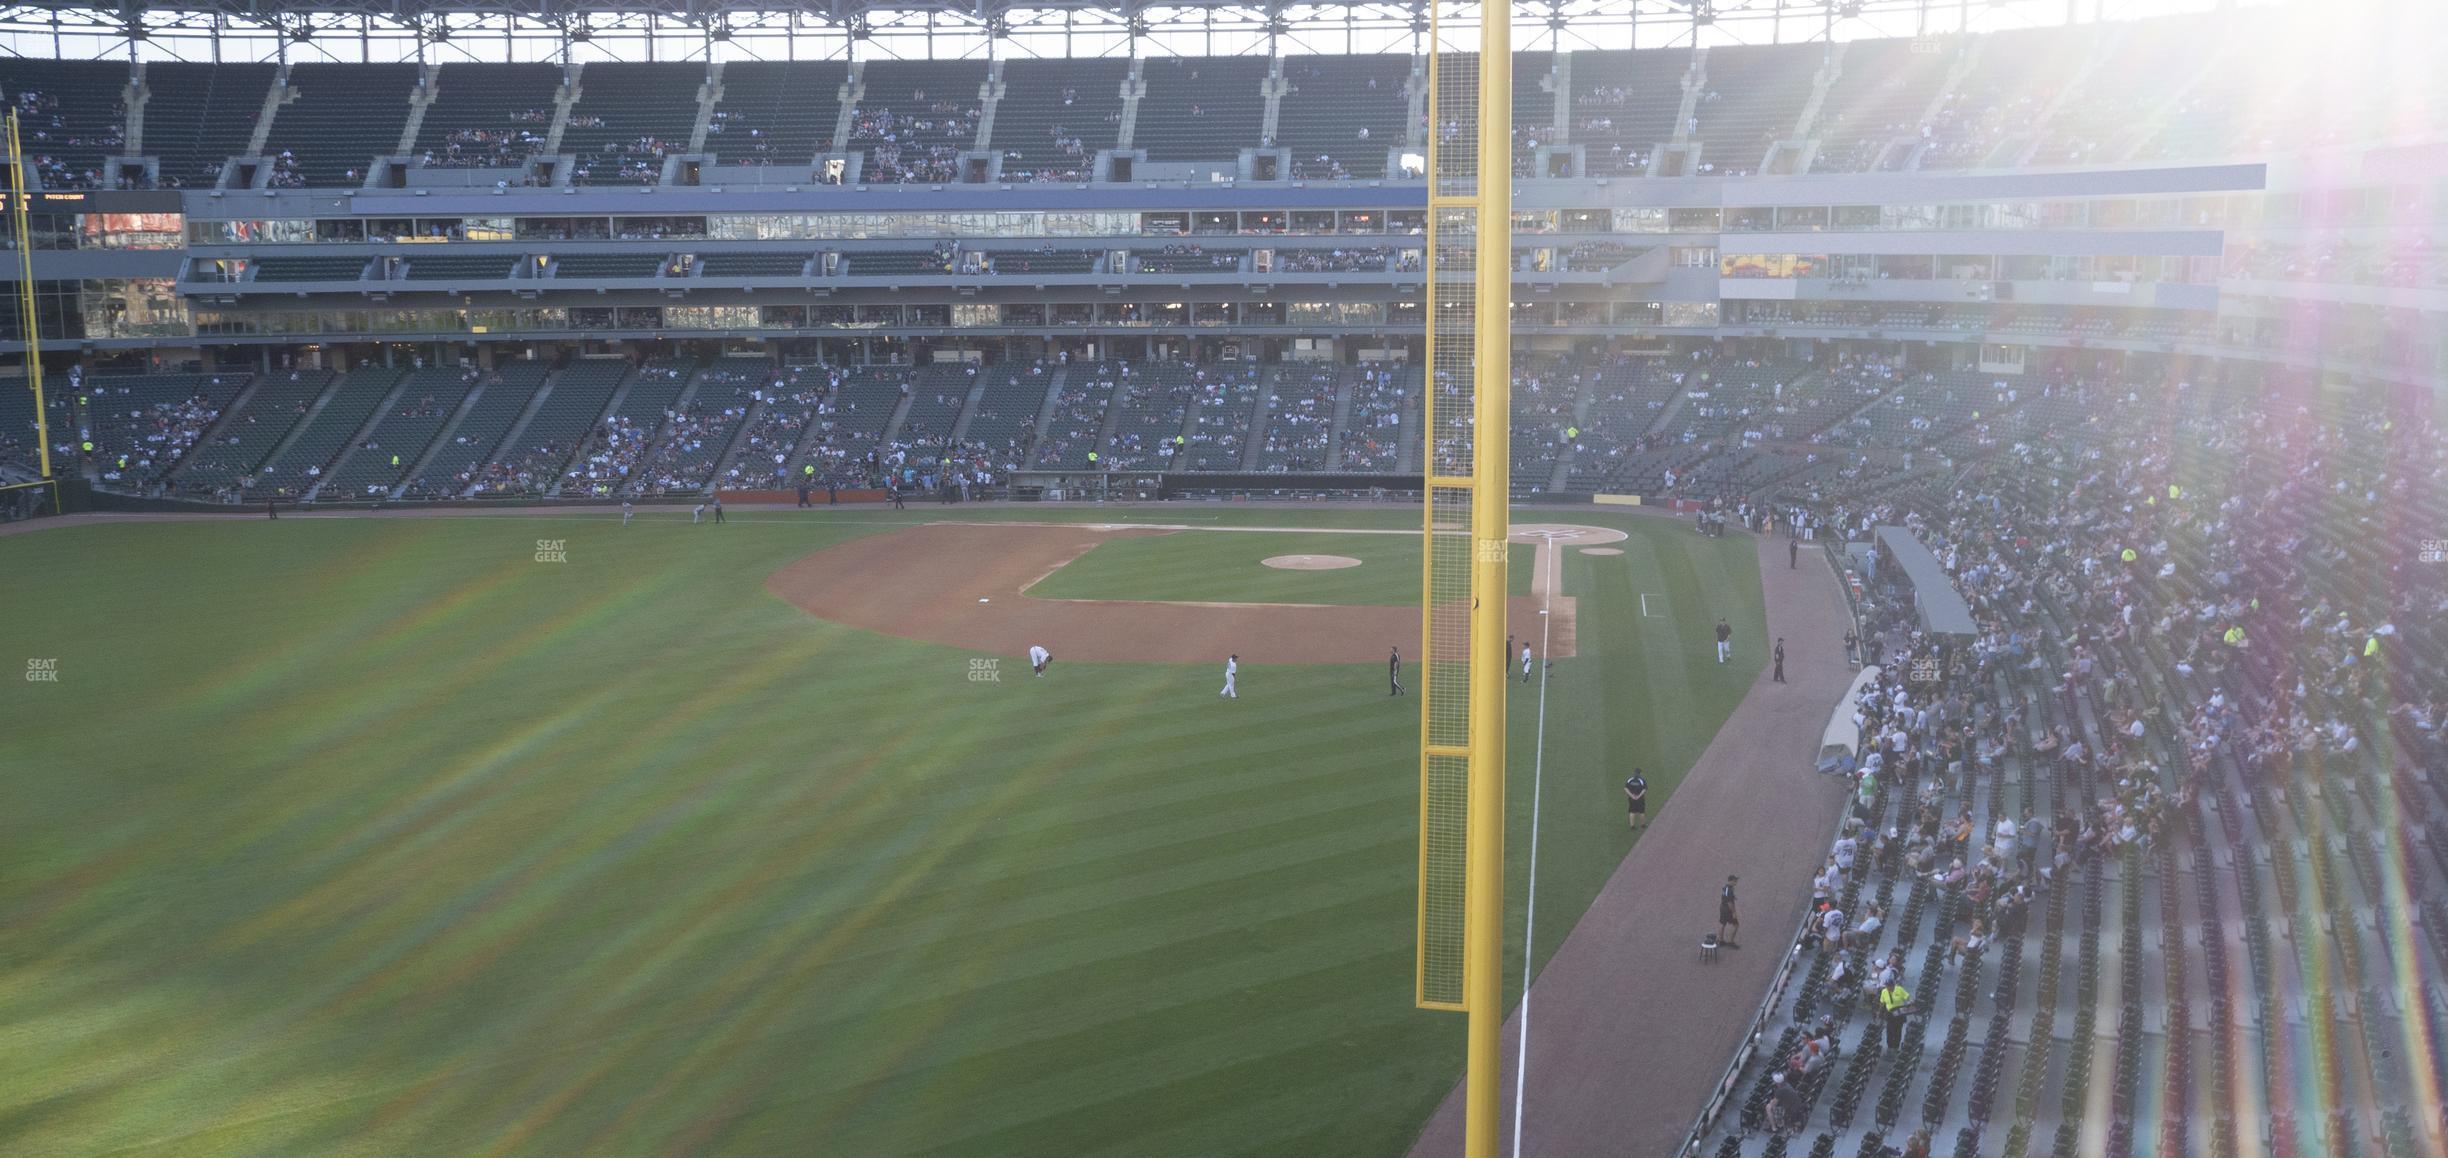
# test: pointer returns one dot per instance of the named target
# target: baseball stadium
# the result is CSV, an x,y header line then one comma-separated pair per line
x,y
1006,579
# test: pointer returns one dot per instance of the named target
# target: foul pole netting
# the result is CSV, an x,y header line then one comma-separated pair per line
x,y
1464,585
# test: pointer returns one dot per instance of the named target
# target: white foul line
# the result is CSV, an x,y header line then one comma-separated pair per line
x,y
1538,767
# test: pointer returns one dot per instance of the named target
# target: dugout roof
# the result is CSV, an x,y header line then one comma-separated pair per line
x,y
1943,610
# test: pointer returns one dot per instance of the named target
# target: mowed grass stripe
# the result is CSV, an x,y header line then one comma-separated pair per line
x,y
880,1024
1178,1042
1208,886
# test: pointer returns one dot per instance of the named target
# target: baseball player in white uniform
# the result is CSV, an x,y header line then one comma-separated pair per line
x,y
1232,667
627,511
1039,657
1525,663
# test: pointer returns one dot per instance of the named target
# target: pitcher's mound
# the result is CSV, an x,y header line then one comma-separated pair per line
x,y
1309,562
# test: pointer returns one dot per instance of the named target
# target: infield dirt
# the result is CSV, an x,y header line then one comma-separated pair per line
x,y
925,583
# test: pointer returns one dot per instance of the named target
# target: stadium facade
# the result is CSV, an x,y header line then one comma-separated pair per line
x,y
1974,205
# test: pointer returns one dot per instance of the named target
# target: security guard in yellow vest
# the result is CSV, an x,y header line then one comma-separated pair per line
x,y
1896,1002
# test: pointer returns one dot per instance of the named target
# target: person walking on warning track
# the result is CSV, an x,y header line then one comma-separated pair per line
x,y
1039,657
1793,553
1727,925
1725,640
1780,660
1232,667
1525,663
1636,795
1394,672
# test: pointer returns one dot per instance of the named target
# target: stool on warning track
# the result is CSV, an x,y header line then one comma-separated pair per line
x,y
1708,946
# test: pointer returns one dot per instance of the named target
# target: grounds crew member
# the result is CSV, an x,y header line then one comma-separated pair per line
x,y
1896,1002
1727,924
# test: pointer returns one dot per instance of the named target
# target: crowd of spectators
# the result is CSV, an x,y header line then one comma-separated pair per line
x,y
795,399
1381,400
482,148
1182,258
1300,413
1335,260
604,470
1220,416
636,161
45,128
142,443
915,148
1148,432
2152,632
1078,417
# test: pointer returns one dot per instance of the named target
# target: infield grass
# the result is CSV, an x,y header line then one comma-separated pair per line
x,y
381,837
1229,567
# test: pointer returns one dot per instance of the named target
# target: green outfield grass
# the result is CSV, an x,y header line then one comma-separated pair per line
x,y
1227,568
381,837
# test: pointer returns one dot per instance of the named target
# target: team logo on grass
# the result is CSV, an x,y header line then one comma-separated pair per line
x,y
985,671
42,671
2434,550
552,551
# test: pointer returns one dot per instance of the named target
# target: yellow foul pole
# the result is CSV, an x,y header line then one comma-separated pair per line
x,y
1491,484
19,197
1467,468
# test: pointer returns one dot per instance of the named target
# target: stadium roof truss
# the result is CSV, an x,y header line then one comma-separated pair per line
x,y
444,30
